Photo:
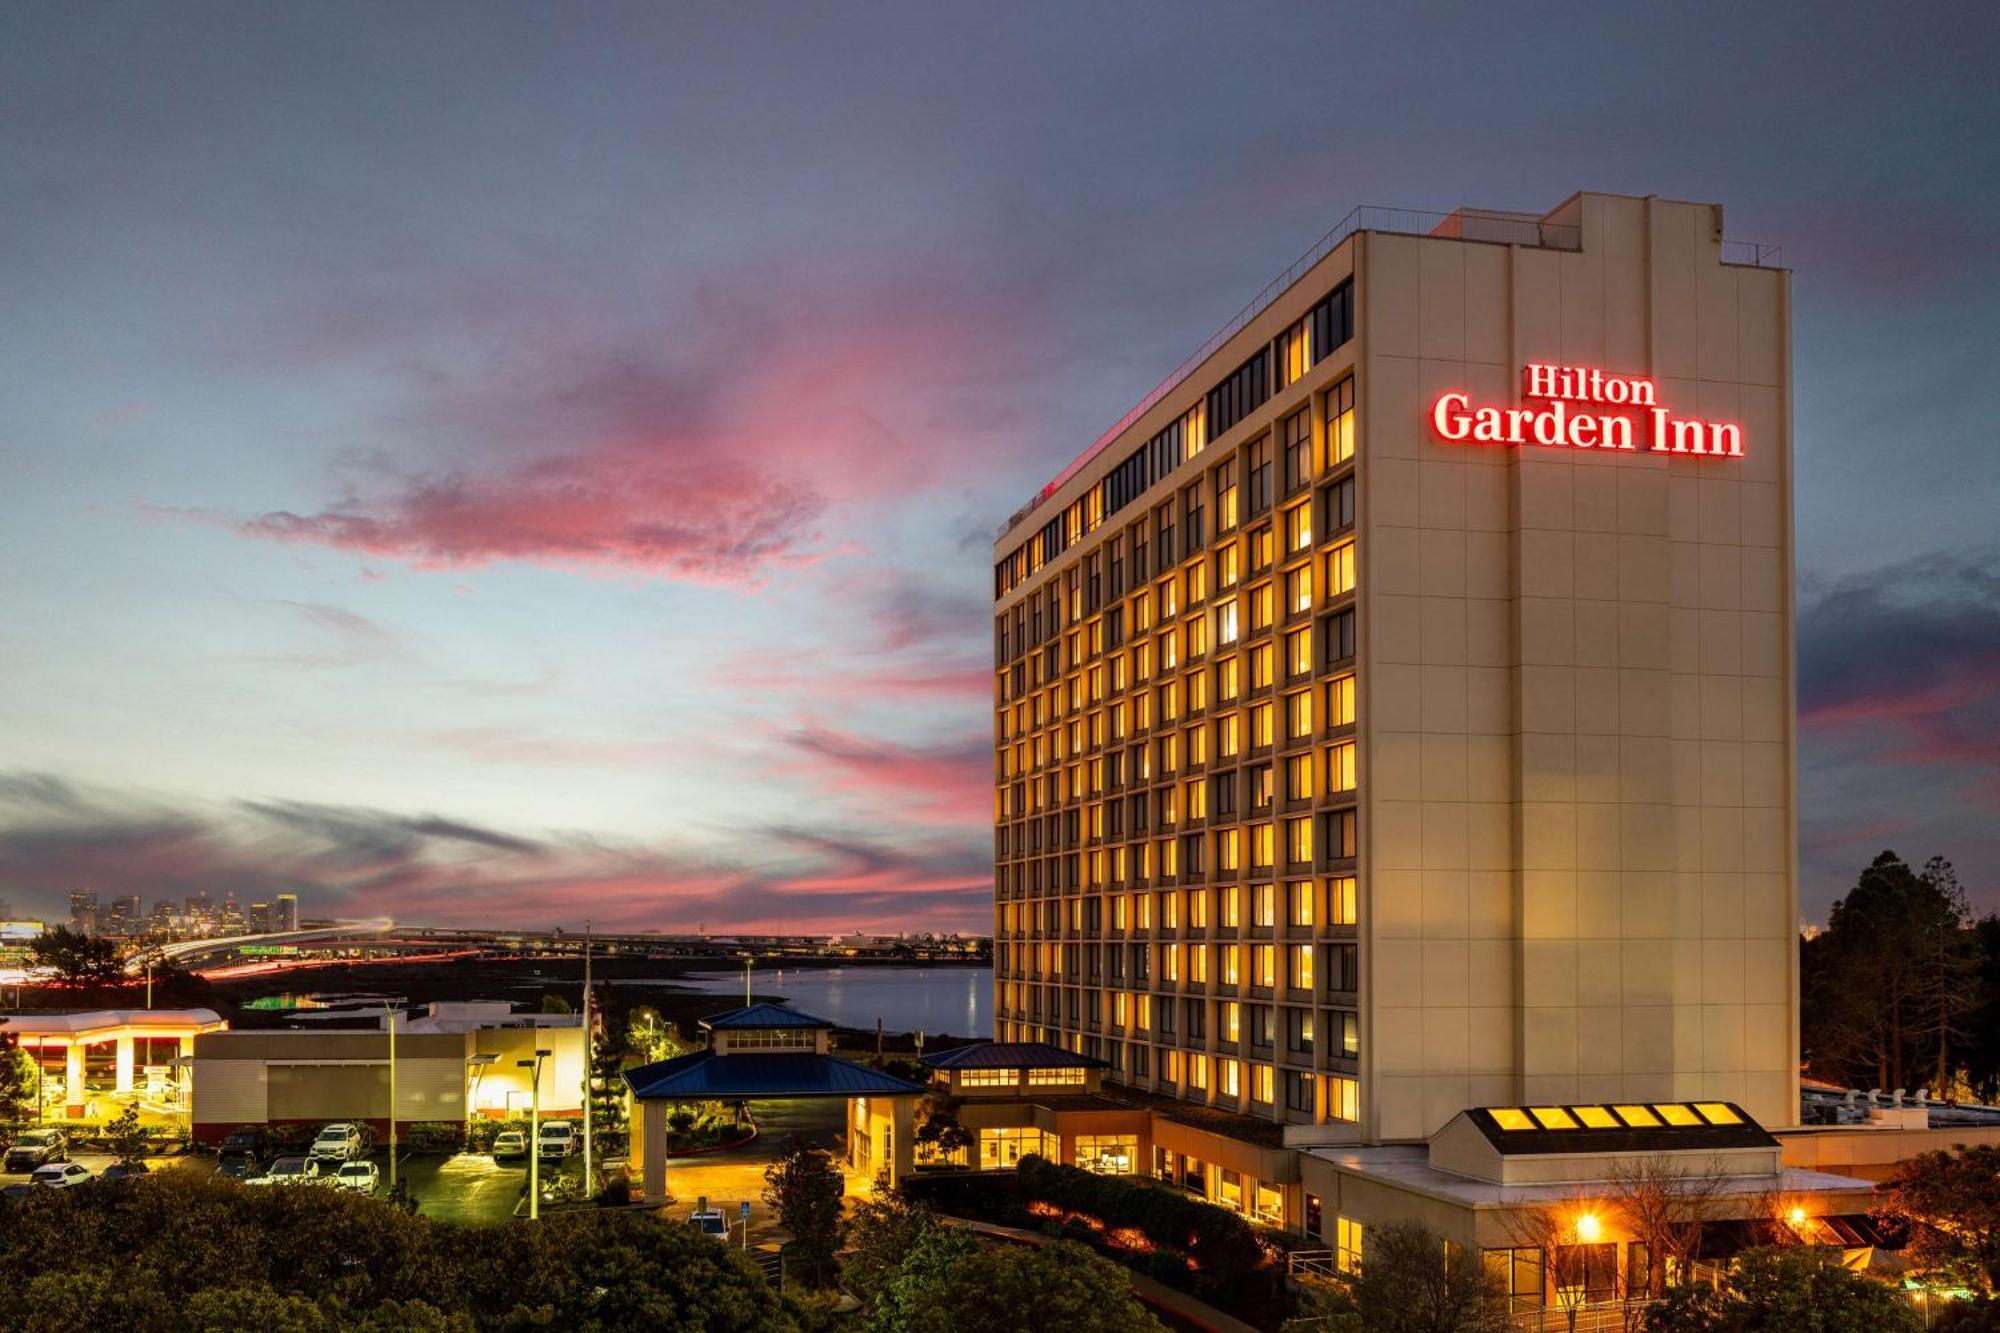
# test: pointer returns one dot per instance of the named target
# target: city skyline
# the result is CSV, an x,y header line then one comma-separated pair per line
x,y
464,476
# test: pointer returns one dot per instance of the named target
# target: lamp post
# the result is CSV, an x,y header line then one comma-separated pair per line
x,y
588,1108
534,1133
476,1067
389,1013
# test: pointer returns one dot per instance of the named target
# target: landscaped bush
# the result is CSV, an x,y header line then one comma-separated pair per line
x,y
434,1136
485,1131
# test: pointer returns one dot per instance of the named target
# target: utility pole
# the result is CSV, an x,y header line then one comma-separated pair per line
x,y
589,1111
534,1135
746,982
390,1013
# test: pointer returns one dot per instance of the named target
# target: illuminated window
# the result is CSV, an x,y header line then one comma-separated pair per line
x,y
1229,850
1264,905
1260,550
1298,653
1343,1098
1512,1117
1260,607
1340,701
1226,629
1262,846
1228,736
988,1078
1170,962
1716,1113
1231,1022
1340,767
1263,966
1227,1077
1260,666
1260,725
1298,529
1299,903
1232,964
1298,590
1197,1072
1675,1114
1595,1117
1107,1154
1003,1149
1299,842
1227,683
1299,715
1347,1244
1231,912
1340,569
1340,900
1552,1117
1056,1078
1263,1084
1197,912
1198,964
1302,967
1340,423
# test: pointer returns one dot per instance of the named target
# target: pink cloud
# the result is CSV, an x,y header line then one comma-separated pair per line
x,y
950,785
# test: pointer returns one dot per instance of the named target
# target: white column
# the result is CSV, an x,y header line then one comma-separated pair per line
x,y
73,1077
125,1045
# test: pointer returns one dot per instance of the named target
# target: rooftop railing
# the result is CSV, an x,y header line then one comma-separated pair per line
x,y
1463,224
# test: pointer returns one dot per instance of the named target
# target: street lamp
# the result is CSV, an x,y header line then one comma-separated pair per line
x,y
476,1067
534,1132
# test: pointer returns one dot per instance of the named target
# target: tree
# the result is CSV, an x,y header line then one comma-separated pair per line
x,y
1799,1289
76,959
804,1187
885,1229
1411,1283
1558,1230
939,1131
1980,1050
948,1282
17,1079
1951,1200
1664,1208
128,1138
556,1004
1888,987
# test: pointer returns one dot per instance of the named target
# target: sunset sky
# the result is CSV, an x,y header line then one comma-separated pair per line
x,y
506,465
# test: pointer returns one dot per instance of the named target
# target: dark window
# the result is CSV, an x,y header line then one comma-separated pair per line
x,y
1332,321
1260,476
1296,435
1240,393
1342,968
1337,637
1337,506
1299,1097
1337,835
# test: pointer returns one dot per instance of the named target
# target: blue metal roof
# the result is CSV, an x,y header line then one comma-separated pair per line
x,y
1011,1055
728,1077
765,1015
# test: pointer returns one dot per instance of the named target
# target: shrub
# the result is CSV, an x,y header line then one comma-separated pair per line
x,y
434,1136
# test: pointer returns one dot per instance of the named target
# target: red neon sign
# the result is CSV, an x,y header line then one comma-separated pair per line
x,y
1572,407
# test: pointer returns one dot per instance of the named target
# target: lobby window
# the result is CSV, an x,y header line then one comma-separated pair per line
x,y
1299,714
1340,896
1299,903
1340,768
1299,841
1056,1078
1340,569
1297,437
1347,1244
1340,423
1298,590
1301,963
1343,1098
1108,1154
1003,1149
1340,701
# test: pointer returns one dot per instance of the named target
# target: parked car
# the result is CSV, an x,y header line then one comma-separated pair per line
x,y
361,1177
710,1223
557,1138
245,1141
37,1147
340,1143
240,1167
60,1175
292,1171
124,1171
16,1190
510,1145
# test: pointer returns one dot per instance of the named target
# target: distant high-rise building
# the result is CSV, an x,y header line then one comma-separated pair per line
x,y
6,910
230,919
124,917
286,917
83,911
260,918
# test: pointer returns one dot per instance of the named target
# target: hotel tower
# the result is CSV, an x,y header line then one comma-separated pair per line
x,y
1393,713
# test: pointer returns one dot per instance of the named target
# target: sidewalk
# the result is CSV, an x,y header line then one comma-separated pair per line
x,y
1150,1290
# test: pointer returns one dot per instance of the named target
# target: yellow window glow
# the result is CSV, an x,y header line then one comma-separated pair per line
x,y
1595,1117
1638,1117
1715,1113
1512,1117
1676,1114
1553,1117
